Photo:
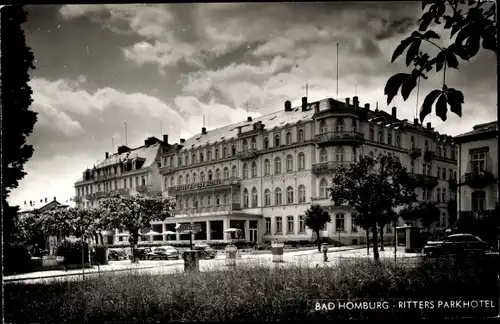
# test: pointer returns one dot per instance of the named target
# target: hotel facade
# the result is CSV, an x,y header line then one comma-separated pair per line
x,y
261,175
478,168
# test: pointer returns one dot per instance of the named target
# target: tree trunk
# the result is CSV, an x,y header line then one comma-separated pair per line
x,y
135,236
319,242
381,238
375,243
368,240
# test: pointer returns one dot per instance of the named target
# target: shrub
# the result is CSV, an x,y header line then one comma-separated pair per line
x,y
72,251
16,259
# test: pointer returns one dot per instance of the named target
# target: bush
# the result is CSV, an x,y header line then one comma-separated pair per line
x,y
16,259
254,293
72,251
99,254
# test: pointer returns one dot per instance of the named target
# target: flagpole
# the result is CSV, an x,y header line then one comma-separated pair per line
x,y
337,71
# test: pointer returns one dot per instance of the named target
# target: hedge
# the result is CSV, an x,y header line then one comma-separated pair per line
x,y
72,251
16,259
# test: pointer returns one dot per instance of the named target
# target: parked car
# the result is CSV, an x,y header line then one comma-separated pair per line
x,y
163,253
117,254
206,251
457,244
140,253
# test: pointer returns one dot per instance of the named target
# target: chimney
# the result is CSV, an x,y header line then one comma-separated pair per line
x,y
429,125
304,103
31,203
165,138
107,155
203,130
367,106
45,200
355,102
25,202
347,102
394,110
182,140
415,121
249,118
41,200
288,106
54,198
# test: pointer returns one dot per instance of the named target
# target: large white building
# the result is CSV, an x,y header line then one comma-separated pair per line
x,y
260,175
478,168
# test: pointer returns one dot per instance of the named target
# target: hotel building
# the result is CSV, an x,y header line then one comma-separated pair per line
x,y
478,167
260,175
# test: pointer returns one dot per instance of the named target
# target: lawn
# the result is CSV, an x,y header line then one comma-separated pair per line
x,y
255,293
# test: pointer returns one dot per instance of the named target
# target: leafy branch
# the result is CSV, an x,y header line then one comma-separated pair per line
x,y
468,28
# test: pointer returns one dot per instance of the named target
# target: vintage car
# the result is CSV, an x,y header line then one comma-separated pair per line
x,y
163,253
206,252
457,244
117,254
140,253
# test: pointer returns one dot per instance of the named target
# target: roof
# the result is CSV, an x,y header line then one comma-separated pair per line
x,y
27,208
481,128
146,152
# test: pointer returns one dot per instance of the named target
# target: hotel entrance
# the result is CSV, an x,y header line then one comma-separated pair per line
x,y
253,231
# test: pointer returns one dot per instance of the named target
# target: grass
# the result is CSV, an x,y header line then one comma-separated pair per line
x,y
249,293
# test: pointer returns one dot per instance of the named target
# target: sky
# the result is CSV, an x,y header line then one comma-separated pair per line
x,y
161,67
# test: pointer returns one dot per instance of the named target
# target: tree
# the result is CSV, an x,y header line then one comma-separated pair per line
x,y
316,218
17,120
134,213
429,214
28,230
410,213
362,221
469,22
372,187
389,217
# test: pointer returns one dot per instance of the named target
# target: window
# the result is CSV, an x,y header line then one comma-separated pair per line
x,y
180,203
195,177
266,143
267,167
279,225
478,162
202,201
354,154
289,163
193,158
125,185
339,223
187,203
289,195
186,160
412,167
179,161
254,170
254,143
276,140
255,198
381,136
438,150
323,155
438,172
339,125
302,194
216,154
412,140
217,174
268,225
426,145
201,157
234,171
224,152
354,228
389,138
426,194
444,152
277,165
300,136
339,154
209,155
245,145
233,150
245,171
202,176
210,175
372,133
302,161
130,181
438,195
354,125
226,173
478,201
226,199
187,179
443,197
288,138
323,128
209,200
398,141
323,188
453,154
245,198
217,200
302,224
267,197
443,174
277,193
290,222
180,180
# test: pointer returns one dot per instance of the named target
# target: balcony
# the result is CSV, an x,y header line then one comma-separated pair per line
x,y
247,154
219,183
328,167
167,169
478,180
427,181
77,199
101,194
415,152
234,207
120,192
143,188
452,184
428,156
332,138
